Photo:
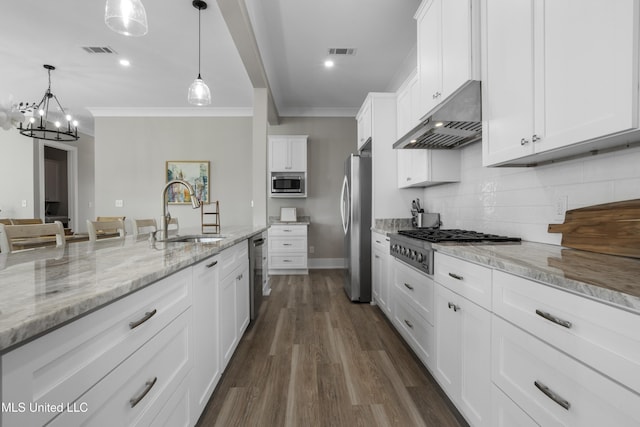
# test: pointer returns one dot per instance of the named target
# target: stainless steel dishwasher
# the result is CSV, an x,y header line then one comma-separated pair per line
x,y
255,266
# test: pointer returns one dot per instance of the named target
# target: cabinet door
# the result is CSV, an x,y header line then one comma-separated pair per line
x,y
242,299
456,30
206,353
508,73
298,154
448,333
364,123
227,318
430,56
587,77
279,154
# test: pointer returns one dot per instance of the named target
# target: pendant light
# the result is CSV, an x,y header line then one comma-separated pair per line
x,y
126,17
199,93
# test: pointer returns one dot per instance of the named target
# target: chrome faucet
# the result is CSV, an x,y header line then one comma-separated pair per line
x,y
166,216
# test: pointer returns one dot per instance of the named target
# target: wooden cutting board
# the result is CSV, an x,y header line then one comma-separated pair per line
x,y
610,228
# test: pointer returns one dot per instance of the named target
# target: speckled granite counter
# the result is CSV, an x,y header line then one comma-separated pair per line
x,y
301,220
391,225
611,279
44,288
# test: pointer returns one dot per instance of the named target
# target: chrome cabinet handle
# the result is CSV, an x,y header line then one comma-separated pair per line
x,y
551,395
287,230
377,257
212,264
408,178
239,277
409,324
286,244
455,276
453,306
378,241
148,386
286,260
550,317
148,315
408,286
535,138
524,141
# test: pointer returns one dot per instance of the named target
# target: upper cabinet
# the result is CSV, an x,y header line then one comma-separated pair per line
x,y
557,75
407,105
448,49
288,153
364,118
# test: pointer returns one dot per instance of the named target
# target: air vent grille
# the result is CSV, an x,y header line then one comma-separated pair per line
x,y
98,49
348,51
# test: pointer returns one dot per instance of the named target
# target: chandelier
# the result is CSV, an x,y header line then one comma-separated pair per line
x,y
42,129
199,93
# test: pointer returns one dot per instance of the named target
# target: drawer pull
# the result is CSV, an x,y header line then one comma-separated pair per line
x,y
408,286
286,230
454,307
378,242
455,276
148,315
239,277
377,257
212,264
554,319
409,324
286,260
148,386
286,244
551,395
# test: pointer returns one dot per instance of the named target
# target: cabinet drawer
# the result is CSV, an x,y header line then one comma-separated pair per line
x,y
63,364
287,230
472,281
233,257
604,337
288,244
553,388
505,413
287,261
149,377
418,287
418,333
380,241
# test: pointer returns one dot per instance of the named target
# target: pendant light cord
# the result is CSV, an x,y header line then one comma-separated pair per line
x,y
199,37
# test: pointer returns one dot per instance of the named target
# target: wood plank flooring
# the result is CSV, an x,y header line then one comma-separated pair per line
x,y
313,358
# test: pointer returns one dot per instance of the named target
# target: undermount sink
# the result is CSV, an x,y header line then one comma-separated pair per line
x,y
195,239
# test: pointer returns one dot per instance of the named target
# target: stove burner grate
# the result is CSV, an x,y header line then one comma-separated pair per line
x,y
435,235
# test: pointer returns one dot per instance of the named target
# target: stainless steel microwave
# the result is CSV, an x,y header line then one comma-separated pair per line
x,y
287,183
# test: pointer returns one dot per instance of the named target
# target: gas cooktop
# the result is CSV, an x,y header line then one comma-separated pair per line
x,y
435,235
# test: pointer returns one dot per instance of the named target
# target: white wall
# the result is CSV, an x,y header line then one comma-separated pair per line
x,y
16,175
522,201
131,155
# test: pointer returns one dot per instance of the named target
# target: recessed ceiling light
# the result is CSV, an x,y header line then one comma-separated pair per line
x,y
328,63
125,62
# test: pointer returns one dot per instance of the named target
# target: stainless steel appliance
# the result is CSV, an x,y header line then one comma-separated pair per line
x,y
414,246
255,267
290,183
355,208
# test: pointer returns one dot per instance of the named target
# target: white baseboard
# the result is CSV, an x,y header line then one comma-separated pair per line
x,y
327,263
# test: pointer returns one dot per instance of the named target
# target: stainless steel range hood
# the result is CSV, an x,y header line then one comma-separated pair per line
x,y
452,124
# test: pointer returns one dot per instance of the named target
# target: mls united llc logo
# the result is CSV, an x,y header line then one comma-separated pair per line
x,y
22,407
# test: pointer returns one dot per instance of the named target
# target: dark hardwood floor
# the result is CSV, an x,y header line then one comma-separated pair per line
x,y
312,358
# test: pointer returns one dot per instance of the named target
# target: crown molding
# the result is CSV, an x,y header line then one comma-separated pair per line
x,y
171,112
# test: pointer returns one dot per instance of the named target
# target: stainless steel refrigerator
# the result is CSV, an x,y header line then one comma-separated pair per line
x,y
355,208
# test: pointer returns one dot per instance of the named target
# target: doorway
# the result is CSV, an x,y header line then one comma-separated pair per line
x,y
58,183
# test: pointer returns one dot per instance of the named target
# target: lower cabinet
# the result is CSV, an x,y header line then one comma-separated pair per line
x,y
288,249
206,326
463,354
506,413
381,278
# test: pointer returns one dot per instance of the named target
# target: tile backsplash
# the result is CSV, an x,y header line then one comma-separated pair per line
x,y
523,201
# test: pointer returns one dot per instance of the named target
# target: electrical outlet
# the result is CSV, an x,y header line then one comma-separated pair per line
x,y
119,203
561,207
24,203
312,249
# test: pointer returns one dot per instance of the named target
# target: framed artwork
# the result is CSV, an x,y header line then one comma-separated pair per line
x,y
195,172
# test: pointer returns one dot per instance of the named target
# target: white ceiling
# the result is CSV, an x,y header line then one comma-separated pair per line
x,y
292,35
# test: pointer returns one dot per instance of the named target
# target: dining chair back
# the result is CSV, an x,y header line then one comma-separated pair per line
x,y
105,229
31,235
144,226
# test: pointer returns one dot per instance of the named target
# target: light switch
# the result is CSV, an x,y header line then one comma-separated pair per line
x,y
119,203
24,203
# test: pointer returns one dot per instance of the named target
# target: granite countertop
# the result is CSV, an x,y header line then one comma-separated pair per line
x,y
606,278
43,288
388,226
301,220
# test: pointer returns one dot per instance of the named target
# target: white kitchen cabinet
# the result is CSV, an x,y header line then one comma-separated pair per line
x,y
288,153
448,48
553,388
234,302
205,342
365,122
424,168
287,249
543,93
412,299
463,337
62,365
506,413
381,277
407,105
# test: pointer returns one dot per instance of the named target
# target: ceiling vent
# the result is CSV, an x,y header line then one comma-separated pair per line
x,y
98,49
348,51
